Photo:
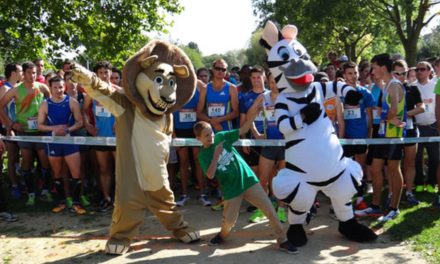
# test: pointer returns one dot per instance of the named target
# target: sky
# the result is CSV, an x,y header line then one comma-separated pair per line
x,y
218,26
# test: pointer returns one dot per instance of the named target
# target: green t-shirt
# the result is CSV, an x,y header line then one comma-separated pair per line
x,y
233,173
437,87
27,105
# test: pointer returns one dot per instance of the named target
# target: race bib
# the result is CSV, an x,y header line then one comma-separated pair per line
x,y
428,105
101,112
270,114
260,116
187,115
216,110
409,123
381,131
376,115
32,123
352,113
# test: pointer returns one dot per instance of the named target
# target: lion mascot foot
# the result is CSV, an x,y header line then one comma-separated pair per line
x,y
187,235
355,231
297,235
117,247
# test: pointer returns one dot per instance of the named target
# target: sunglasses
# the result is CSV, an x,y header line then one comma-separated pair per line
x,y
220,69
399,73
421,69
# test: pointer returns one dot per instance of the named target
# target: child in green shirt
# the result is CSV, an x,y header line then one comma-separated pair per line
x,y
237,180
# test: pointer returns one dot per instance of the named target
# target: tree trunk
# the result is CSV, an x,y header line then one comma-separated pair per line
x,y
411,52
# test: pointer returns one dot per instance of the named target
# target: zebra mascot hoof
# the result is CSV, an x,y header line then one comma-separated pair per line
x,y
355,231
117,247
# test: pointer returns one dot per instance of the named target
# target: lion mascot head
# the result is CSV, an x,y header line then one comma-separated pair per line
x,y
159,79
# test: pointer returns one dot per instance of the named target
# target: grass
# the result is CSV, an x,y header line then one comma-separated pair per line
x,y
418,226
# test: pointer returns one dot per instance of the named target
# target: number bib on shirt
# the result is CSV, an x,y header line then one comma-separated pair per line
x,y
409,123
376,115
101,112
187,115
215,110
32,123
352,113
270,113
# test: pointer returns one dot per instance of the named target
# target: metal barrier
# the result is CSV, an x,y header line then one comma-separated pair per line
x,y
181,142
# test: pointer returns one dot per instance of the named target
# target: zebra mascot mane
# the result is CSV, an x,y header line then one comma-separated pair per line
x,y
314,156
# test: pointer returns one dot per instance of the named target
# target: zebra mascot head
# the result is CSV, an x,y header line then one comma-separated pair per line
x,y
287,59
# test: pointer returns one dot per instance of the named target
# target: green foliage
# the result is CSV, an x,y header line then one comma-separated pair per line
x,y
255,53
429,45
194,55
107,29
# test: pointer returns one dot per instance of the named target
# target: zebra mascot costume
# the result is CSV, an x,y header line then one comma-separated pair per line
x,y
314,156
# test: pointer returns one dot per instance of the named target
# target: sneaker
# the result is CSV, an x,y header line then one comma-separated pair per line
x,y
390,216
430,188
45,196
8,217
369,211
59,208
217,240
387,202
420,188
69,202
361,205
31,200
182,200
436,202
218,206
257,217
411,199
15,192
204,200
84,201
106,206
251,209
288,247
281,212
76,208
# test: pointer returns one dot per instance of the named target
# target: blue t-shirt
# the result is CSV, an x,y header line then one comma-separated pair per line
x,y
246,102
59,113
356,123
104,120
186,117
376,91
271,126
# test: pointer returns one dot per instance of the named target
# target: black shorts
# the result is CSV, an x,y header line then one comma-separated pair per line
x,y
253,157
411,133
351,150
104,148
184,133
273,153
388,152
31,145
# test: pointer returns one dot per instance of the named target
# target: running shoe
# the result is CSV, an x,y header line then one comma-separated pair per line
x,y
361,205
217,240
204,200
182,200
106,206
84,200
369,211
77,208
288,247
257,217
15,192
420,188
218,206
251,209
69,202
430,188
8,217
45,196
59,208
281,212
390,216
31,200
411,199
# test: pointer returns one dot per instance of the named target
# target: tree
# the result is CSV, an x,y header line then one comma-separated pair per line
x,y
107,29
194,54
255,53
429,45
408,18
324,25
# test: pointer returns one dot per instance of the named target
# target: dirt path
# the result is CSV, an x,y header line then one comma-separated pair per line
x,y
64,238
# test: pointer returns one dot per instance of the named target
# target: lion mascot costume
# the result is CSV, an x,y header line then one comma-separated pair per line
x,y
314,156
158,80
